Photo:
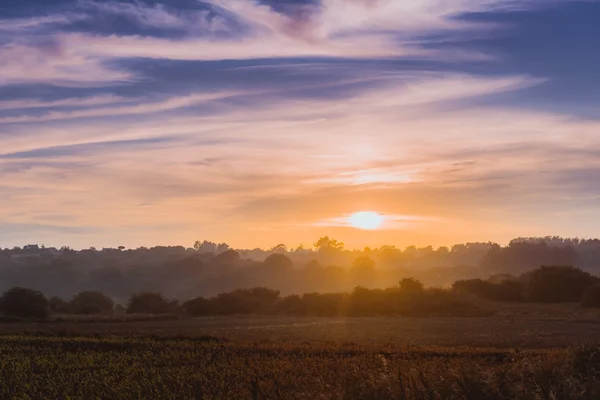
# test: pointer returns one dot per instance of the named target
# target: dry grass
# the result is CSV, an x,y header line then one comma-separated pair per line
x,y
59,367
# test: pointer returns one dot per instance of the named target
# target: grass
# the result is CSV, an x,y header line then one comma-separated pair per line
x,y
119,368
518,355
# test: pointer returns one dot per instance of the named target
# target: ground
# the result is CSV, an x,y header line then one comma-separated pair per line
x,y
534,352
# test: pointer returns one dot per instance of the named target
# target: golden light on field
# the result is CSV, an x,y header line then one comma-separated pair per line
x,y
368,220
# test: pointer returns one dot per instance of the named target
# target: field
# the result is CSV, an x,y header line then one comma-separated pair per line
x,y
528,355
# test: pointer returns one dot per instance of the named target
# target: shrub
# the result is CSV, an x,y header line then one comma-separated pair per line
x,y
291,305
150,303
198,307
591,297
59,306
91,302
22,302
558,284
246,301
411,286
507,290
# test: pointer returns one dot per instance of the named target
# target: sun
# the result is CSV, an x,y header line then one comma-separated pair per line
x,y
368,220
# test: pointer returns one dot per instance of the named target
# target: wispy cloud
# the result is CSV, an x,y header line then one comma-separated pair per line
x,y
126,109
227,116
336,28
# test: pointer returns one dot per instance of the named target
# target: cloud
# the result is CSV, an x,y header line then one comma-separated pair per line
x,y
83,148
99,117
127,109
75,102
336,28
54,63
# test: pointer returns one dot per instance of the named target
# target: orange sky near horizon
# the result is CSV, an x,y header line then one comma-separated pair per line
x,y
257,123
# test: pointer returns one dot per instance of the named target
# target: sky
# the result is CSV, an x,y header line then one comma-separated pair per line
x,y
255,123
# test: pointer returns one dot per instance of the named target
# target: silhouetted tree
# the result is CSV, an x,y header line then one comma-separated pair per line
x,y
59,306
505,290
411,286
520,256
199,307
150,303
325,244
591,297
227,257
557,284
279,262
362,271
22,302
91,302
280,248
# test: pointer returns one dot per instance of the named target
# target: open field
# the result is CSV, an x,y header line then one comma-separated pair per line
x,y
520,326
37,367
533,352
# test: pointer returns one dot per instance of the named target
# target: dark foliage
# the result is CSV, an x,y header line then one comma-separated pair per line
x,y
591,297
241,301
91,302
557,284
506,291
59,306
523,255
198,307
410,300
279,262
22,302
150,303
212,268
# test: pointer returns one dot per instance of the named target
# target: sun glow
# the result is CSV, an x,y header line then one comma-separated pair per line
x,y
368,220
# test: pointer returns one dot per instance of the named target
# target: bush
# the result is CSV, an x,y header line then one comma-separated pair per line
x,y
60,306
91,302
558,284
506,291
150,303
245,301
22,302
591,297
411,286
198,307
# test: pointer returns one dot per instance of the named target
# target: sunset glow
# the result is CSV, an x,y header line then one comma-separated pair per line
x,y
367,220
257,122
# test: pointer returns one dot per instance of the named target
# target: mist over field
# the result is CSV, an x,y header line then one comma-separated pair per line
x,y
209,268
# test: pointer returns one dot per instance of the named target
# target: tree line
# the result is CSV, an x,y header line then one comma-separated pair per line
x,y
210,268
548,284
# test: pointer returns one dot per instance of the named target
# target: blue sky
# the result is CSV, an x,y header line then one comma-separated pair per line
x,y
149,122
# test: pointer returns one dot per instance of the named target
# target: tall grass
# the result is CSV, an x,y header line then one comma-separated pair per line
x,y
35,367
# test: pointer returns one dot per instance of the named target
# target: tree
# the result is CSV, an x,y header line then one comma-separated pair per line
x,y
222,248
363,270
198,307
363,263
279,262
91,302
280,248
411,286
205,246
22,302
494,290
150,303
591,297
327,244
557,284
59,306
227,257
299,249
